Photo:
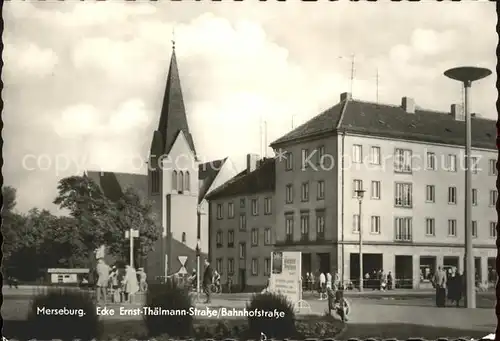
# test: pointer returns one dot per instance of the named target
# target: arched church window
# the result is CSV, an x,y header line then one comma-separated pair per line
x,y
181,181
184,237
174,180
187,180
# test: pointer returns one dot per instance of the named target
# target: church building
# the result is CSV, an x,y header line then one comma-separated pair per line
x,y
176,183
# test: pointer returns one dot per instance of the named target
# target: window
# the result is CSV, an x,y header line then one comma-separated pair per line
x,y
430,161
219,239
230,210
243,250
452,228
320,225
403,195
181,182
493,197
155,181
289,228
493,229
187,182
474,164
375,226
452,195
403,229
430,193
321,190
219,265
305,155
320,154
230,238
492,167
289,161
174,181
267,266
304,191
403,161
268,206
451,163
304,226
255,207
267,236
355,223
357,153
357,185
243,221
430,227
242,203
375,155
474,197
219,211
376,190
289,194
255,266
255,237
230,266
184,237
474,229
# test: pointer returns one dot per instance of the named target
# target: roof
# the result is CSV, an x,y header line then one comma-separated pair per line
x,y
114,184
173,118
392,121
207,172
260,180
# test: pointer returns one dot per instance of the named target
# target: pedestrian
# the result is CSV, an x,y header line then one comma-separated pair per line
x,y
143,285
229,284
389,281
329,282
102,280
207,280
131,284
322,286
439,282
367,284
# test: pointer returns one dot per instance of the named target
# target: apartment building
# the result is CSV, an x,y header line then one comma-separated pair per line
x,y
241,222
409,162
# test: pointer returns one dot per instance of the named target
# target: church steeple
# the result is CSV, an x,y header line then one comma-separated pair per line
x,y
173,117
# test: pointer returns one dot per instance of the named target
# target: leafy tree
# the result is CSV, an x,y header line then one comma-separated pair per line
x,y
12,223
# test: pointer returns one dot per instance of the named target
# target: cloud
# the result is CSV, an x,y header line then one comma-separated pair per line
x,y
100,71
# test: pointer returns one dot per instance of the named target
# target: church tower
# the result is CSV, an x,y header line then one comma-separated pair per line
x,y
173,181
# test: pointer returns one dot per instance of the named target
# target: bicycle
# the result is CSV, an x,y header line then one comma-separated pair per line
x,y
215,288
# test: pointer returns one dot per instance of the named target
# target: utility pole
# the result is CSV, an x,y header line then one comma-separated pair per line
x,y
360,192
377,85
131,234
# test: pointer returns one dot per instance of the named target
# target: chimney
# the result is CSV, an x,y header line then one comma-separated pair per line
x,y
252,161
345,96
408,105
457,111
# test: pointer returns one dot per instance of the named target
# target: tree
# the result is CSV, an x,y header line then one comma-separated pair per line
x,y
12,223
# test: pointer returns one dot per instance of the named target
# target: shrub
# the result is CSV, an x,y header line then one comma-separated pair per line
x,y
272,327
166,298
64,314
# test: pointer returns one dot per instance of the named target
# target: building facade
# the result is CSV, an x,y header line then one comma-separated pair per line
x,y
176,184
409,162
242,226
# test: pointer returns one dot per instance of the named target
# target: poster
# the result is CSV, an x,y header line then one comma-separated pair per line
x,y
286,274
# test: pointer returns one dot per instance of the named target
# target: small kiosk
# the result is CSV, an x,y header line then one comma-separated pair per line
x,y
59,276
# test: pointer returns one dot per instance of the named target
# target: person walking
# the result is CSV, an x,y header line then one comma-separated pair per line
x,y
208,276
102,281
131,284
389,281
439,282
322,286
143,285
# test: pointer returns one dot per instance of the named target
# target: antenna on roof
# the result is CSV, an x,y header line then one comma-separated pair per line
x,y
293,116
260,135
265,138
352,71
377,85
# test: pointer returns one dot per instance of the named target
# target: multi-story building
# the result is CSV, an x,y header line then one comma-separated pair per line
x,y
409,162
241,225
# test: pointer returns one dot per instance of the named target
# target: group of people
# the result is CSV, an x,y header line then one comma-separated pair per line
x,y
378,280
449,285
120,284
321,282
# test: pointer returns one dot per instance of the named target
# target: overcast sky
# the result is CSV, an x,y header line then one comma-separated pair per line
x,y
84,81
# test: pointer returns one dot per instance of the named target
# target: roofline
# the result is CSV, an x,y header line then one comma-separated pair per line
x,y
218,197
342,114
312,137
200,200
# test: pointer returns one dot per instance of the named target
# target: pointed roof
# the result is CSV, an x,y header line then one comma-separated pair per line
x,y
173,118
207,172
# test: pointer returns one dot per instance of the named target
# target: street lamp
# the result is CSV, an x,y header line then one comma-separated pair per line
x,y
131,234
198,250
467,75
360,194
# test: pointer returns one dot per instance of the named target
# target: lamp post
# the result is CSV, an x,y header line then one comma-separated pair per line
x,y
467,75
360,194
131,234
198,250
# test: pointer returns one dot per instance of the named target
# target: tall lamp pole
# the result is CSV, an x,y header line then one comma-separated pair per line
x,y
467,75
198,250
131,234
360,194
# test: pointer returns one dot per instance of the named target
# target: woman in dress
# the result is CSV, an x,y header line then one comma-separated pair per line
x,y
131,283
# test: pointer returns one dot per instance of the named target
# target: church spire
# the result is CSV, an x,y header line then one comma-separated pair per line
x,y
173,118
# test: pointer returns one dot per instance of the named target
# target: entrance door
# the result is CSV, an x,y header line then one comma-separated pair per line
x,y
243,279
306,263
404,272
324,263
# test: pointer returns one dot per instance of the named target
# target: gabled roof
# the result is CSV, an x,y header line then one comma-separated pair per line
x,y
260,180
114,184
392,121
207,172
173,118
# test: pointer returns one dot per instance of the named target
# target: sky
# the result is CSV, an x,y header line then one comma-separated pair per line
x,y
83,81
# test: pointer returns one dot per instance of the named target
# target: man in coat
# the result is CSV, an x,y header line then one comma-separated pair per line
x,y
102,280
207,280
440,285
